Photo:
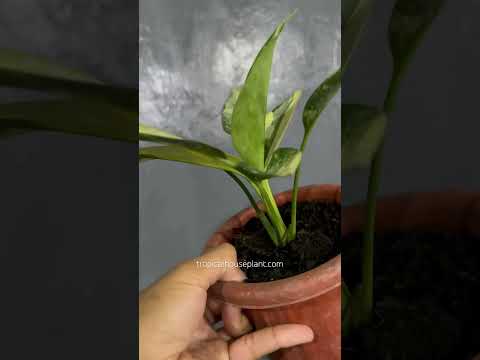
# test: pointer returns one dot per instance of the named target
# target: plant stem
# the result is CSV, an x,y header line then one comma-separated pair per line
x,y
366,305
260,214
292,229
265,192
369,238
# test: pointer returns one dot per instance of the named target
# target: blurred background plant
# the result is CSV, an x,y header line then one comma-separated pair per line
x,y
78,103
363,126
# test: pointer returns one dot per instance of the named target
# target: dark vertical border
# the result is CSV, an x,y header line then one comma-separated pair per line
x,y
69,203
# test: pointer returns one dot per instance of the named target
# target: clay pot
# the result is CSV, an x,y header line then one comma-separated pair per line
x,y
312,298
451,212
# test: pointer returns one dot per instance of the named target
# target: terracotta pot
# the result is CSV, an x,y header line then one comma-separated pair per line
x,y
451,212
311,298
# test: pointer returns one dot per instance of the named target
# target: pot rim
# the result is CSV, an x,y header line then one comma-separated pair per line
x,y
291,290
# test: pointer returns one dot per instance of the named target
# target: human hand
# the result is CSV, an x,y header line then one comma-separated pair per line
x,y
176,323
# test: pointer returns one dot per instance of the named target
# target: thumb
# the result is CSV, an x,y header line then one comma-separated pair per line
x,y
268,340
218,263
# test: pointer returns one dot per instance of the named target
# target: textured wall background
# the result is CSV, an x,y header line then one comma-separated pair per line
x,y
191,54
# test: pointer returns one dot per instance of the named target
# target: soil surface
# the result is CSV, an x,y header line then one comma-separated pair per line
x,y
427,292
317,241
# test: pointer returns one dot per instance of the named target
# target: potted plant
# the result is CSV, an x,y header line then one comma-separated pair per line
x,y
301,227
416,297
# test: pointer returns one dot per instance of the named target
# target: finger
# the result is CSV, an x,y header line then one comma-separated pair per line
x,y
224,335
235,323
213,310
215,306
209,316
268,340
216,264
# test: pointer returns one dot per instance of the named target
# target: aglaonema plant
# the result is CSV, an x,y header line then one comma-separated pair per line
x,y
363,126
256,134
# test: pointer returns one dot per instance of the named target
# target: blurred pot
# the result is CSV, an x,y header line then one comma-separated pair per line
x,y
449,212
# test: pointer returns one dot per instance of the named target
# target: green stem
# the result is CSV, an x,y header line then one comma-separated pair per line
x,y
266,194
260,214
389,103
369,230
369,238
292,230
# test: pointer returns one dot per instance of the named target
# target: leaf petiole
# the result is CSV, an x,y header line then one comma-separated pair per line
x,y
260,214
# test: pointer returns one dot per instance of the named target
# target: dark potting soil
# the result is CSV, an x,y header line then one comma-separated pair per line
x,y
317,241
427,293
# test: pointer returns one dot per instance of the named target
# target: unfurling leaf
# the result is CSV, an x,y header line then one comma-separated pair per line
x,y
248,119
284,162
228,109
277,113
409,22
282,116
362,133
319,100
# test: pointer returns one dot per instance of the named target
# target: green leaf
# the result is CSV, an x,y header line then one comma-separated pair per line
x,y
284,162
408,24
276,114
282,116
74,116
362,133
228,109
21,63
20,70
355,14
319,100
192,153
148,133
248,119
197,153
269,119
